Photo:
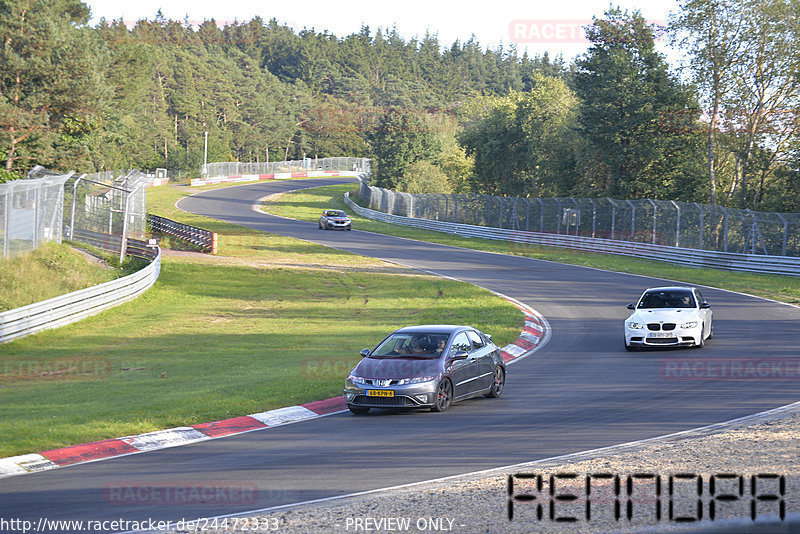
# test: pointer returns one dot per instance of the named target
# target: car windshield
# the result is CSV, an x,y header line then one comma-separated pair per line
x,y
421,345
675,298
335,214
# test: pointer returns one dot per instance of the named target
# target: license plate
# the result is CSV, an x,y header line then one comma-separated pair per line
x,y
660,334
380,393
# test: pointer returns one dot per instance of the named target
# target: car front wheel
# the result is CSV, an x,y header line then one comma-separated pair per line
x,y
358,410
499,380
444,396
702,341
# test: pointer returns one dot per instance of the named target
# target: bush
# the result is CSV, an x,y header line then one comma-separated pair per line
x,y
424,177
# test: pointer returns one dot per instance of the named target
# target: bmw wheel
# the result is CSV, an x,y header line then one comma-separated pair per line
x,y
444,396
702,342
358,410
499,380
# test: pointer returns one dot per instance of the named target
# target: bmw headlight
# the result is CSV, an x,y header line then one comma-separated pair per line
x,y
635,326
415,380
690,324
356,380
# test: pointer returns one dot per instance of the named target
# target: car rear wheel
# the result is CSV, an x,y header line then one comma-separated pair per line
x,y
444,396
499,381
358,410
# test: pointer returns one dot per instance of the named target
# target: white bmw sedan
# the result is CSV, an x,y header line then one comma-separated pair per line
x,y
669,317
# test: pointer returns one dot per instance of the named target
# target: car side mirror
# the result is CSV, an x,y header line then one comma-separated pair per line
x,y
460,355
489,337
364,353
705,306
631,306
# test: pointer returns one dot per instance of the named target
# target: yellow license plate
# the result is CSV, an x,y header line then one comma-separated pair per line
x,y
380,393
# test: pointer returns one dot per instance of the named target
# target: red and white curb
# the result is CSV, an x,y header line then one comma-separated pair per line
x,y
270,176
533,336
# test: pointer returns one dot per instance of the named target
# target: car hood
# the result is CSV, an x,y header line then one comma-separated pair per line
x,y
397,367
666,315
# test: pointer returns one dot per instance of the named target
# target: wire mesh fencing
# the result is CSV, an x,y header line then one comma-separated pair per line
x,y
660,222
31,211
235,168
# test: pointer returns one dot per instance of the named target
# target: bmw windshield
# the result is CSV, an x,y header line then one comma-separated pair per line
x,y
667,299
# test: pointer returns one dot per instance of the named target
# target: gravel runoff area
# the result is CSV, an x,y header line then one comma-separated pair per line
x,y
737,454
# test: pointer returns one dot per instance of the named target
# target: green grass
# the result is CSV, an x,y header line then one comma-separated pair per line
x,y
269,322
307,205
49,271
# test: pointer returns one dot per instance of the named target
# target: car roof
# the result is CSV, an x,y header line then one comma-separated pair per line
x,y
432,329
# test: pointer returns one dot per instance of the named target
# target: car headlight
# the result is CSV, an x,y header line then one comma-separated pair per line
x,y
415,380
635,326
357,379
690,324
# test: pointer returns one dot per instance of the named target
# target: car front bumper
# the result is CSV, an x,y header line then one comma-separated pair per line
x,y
405,396
679,337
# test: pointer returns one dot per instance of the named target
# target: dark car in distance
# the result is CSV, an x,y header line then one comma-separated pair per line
x,y
334,220
427,366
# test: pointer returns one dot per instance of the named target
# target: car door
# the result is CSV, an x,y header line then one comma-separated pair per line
x,y
462,371
484,364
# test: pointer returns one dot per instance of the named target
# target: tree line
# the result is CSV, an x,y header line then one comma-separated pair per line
x,y
617,121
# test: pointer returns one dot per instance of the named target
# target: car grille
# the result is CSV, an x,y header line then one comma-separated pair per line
x,y
363,400
657,326
662,340
374,382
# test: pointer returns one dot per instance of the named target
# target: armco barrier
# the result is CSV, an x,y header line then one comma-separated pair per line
x,y
66,309
697,258
191,234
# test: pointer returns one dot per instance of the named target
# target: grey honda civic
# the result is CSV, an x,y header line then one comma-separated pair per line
x,y
428,366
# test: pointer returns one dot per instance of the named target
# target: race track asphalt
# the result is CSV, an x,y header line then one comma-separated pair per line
x,y
581,391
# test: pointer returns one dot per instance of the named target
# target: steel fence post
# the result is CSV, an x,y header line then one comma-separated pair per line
x,y
655,220
7,222
558,216
72,215
594,218
677,224
541,214
785,234
702,225
725,216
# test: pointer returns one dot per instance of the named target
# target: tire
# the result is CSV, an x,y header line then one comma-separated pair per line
x,y
444,396
629,348
711,332
499,381
320,226
358,410
348,228
702,340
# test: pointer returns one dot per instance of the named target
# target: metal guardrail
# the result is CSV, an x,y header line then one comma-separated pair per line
x,y
112,243
756,263
72,307
191,234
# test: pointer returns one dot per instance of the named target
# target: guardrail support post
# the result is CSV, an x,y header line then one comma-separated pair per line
x,y
702,225
785,234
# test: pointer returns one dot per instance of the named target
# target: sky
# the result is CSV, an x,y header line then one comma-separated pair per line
x,y
536,26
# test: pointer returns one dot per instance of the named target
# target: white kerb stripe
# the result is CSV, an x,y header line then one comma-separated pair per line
x,y
24,463
284,415
514,350
530,337
171,437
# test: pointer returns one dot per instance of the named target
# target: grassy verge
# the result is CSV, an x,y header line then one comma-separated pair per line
x,y
49,271
269,322
307,205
